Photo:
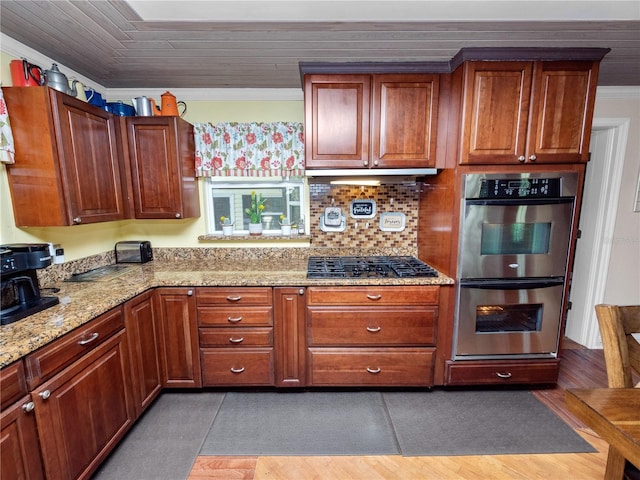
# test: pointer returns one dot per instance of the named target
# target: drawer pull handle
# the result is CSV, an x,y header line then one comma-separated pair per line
x,y
374,297
235,299
503,375
44,395
28,407
373,370
236,340
234,319
374,329
237,370
92,338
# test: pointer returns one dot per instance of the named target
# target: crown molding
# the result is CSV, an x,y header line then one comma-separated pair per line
x,y
213,94
631,91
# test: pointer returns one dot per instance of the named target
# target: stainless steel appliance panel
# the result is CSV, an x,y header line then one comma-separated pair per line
x,y
515,322
508,240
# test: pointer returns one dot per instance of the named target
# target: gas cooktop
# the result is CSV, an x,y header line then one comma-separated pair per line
x,y
368,267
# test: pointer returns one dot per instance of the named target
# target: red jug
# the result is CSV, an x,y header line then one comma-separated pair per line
x,y
25,74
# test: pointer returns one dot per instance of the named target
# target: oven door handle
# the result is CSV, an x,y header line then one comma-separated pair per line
x,y
511,284
518,201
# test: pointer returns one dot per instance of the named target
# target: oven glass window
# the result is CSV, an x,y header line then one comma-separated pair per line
x,y
515,238
509,318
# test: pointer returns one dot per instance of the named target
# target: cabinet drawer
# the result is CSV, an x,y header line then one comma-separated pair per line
x,y
373,295
228,316
223,366
500,373
365,326
234,296
236,337
12,384
50,359
371,366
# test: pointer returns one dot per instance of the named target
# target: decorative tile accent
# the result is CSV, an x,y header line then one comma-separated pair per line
x,y
366,233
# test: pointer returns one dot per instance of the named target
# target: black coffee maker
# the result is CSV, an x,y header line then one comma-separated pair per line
x,y
20,288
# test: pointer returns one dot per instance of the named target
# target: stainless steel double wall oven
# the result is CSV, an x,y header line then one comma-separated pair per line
x,y
515,233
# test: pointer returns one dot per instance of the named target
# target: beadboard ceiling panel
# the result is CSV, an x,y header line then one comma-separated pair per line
x,y
109,42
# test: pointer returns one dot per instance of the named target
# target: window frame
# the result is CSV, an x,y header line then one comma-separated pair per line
x,y
243,183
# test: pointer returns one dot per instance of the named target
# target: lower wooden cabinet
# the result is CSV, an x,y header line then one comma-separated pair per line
x,y
178,330
501,372
236,336
19,447
371,336
371,366
142,336
290,338
83,411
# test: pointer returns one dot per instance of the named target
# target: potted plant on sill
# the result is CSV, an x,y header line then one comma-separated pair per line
x,y
255,213
227,225
285,225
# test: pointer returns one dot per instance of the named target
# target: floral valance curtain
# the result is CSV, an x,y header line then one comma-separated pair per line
x,y
249,149
7,149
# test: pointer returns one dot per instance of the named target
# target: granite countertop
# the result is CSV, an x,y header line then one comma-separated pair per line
x,y
81,302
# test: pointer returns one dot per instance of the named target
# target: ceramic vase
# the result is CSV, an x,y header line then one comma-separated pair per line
x,y
255,229
227,229
286,229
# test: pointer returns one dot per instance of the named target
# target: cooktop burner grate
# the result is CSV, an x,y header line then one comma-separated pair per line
x,y
368,267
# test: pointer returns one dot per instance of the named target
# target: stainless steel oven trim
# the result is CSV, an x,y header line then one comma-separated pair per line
x,y
469,345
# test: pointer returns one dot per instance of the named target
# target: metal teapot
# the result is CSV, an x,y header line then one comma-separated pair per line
x,y
57,80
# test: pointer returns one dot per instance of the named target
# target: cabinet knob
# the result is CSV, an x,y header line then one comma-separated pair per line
x,y
236,340
365,163
190,293
236,370
522,158
178,215
374,329
503,375
375,163
374,297
301,291
28,407
374,370
77,220
44,395
533,158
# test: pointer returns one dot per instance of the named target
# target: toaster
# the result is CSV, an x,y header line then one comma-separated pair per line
x,y
133,251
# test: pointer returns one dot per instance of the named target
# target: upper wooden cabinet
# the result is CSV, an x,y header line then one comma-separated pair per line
x,y
527,112
161,154
67,168
371,121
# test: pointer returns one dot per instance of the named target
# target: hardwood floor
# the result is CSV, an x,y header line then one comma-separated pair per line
x,y
580,368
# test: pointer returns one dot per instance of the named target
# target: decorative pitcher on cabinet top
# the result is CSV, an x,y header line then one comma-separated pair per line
x,y
169,105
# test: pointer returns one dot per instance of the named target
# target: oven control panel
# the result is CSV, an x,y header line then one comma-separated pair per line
x,y
520,188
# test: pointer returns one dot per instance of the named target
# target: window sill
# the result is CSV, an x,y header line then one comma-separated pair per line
x,y
239,237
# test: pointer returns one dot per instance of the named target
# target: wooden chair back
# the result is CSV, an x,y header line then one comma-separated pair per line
x,y
621,349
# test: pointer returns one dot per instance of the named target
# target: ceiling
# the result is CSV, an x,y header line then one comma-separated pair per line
x,y
259,43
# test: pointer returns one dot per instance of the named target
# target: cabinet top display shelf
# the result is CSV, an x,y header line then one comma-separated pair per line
x,y
447,66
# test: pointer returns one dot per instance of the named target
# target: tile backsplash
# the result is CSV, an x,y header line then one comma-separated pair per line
x,y
365,233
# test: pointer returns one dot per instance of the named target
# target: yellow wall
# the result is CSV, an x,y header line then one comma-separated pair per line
x,y
84,240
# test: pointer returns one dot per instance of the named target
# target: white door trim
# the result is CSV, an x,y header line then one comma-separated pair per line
x,y
608,190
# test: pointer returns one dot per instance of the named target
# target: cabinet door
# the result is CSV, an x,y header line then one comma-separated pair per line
x,y
289,332
337,120
179,351
495,112
83,412
403,120
143,350
162,161
19,442
67,168
93,188
562,112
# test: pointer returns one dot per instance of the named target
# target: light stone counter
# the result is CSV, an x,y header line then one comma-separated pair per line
x,y
82,302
